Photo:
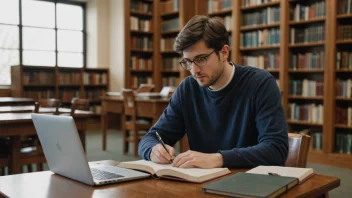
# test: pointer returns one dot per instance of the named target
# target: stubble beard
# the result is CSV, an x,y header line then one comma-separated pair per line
x,y
212,79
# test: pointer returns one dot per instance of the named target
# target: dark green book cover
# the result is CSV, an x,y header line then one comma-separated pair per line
x,y
251,185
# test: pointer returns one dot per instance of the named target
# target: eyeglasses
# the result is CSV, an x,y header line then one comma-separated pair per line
x,y
199,61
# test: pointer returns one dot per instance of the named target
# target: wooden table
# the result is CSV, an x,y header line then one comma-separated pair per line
x,y
10,101
151,108
14,125
30,108
47,184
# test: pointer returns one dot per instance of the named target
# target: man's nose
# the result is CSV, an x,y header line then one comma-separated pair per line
x,y
195,68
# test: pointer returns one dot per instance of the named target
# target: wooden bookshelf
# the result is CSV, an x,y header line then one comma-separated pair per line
x,y
327,49
64,83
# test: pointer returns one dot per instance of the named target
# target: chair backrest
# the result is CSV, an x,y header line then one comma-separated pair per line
x,y
79,104
129,103
145,88
298,150
51,102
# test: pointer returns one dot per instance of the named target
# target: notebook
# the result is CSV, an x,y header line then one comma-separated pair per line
x,y
196,175
302,174
65,155
251,185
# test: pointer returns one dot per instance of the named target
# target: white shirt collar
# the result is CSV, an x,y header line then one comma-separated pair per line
x,y
233,73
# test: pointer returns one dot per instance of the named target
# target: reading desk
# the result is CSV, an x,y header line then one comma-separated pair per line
x,y
47,184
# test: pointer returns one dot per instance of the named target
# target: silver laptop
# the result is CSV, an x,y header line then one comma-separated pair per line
x,y
65,155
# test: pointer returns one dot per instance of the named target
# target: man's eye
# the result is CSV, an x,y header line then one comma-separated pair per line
x,y
200,59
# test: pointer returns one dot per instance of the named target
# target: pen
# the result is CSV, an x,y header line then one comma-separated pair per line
x,y
275,174
162,143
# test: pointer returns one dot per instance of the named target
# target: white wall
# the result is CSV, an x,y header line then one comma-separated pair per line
x,y
105,39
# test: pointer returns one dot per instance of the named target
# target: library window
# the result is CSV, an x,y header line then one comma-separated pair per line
x,y
40,33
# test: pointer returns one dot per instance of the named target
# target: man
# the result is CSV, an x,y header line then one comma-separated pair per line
x,y
232,114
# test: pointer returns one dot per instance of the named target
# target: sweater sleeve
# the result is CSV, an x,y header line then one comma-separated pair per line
x,y
272,147
170,126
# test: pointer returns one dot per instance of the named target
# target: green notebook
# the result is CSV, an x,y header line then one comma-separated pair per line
x,y
251,185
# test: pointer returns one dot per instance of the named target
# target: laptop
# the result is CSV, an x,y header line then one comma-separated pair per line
x,y
65,155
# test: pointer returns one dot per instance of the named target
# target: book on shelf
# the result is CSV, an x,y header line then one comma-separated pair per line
x,y
218,5
343,143
196,175
251,185
300,12
344,59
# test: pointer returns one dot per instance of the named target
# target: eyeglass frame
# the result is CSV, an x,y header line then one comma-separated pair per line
x,y
193,62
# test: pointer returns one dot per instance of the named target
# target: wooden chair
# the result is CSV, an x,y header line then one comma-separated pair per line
x,y
145,88
51,102
298,150
79,104
131,126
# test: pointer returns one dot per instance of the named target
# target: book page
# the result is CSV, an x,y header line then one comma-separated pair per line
x,y
300,173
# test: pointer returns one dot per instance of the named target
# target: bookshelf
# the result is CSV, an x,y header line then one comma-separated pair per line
x,y
151,28
314,63
64,83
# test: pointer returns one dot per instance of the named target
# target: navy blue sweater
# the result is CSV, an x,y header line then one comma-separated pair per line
x,y
245,121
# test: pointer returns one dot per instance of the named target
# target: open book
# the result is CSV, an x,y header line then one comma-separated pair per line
x,y
196,175
301,174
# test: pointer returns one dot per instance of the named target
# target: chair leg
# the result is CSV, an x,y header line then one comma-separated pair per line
x,y
125,141
40,167
135,143
29,168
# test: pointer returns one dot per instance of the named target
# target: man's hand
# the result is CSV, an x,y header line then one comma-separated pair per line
x,y
192,159
159,154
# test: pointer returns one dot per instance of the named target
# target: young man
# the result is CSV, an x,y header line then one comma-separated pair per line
x,y
232,114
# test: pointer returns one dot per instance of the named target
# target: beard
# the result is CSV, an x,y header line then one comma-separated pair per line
x,y
207,80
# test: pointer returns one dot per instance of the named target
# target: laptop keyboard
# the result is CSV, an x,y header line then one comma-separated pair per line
x,y
103,175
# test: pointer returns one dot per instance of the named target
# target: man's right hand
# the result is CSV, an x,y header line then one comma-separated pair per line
x,y
159,154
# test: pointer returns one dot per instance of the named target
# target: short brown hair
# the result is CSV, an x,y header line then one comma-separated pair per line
x,y
201,27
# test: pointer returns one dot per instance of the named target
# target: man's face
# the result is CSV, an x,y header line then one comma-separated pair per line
x,y
208,74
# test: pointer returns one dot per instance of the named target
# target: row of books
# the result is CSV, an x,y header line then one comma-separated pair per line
x,y
67,95
344,6
39,78
142,43
307,87
343,115
43,94
306,12
270,15
344,32
137,80
140,63
169,6
170,25
171,63
167,43
344,60
343,143
266,37
344,88
69,78
171,81
227,21
94,95
95,78
314,33
306,112
255,2
309,60
317,140
267,61
140,6
141,24
218,5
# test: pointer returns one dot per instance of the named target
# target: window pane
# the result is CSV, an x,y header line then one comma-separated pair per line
x,y
38,39
69,17
70,59
9,36
69,41
38,13
38,58
7,58
9,12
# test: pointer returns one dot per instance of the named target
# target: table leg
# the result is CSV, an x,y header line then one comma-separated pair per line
x,y
104,123
15,167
